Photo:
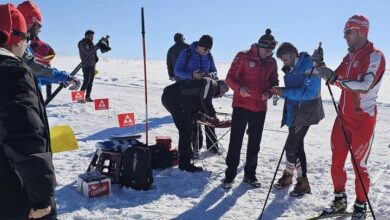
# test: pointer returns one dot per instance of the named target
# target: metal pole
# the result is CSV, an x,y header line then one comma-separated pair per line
x,y
145,78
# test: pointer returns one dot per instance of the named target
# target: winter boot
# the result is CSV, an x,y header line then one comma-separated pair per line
x,y
88,99
191,168
227,184
339,205
301,187
359,211
253,181
284,181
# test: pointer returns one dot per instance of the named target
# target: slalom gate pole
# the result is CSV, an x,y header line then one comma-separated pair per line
x,y
145,78
288,138
350,150
78,67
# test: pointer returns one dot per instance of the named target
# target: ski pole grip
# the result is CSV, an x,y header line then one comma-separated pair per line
x,y
142,21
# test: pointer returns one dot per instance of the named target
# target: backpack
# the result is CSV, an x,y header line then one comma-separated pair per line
x,y
162,157
136,169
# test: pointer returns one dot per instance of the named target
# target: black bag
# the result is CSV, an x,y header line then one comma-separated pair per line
x,y
136,169
161,157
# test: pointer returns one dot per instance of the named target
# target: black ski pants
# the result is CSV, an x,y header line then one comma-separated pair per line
x,y
183,122
89,76
240,119
295,146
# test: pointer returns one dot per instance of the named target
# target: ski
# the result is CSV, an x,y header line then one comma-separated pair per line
x,y
341,214
125,137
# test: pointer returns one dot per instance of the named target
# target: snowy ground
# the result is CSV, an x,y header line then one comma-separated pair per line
x,y
181,195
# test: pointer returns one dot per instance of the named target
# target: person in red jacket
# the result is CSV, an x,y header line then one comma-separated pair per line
x,y
252,75
359,77
44,54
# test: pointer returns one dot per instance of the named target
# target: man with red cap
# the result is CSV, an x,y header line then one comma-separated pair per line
x,y
26,166
46,75
359,78
44,54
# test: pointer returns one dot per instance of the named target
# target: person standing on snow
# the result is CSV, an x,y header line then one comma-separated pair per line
x,y
252,75
46,75
302,90
184,100
194,63
173,54
85,46
26,167
358,76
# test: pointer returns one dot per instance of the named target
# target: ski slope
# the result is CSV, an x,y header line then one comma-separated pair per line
x,y
182,195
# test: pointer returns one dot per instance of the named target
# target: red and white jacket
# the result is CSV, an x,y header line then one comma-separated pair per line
x,y
258,75
360,76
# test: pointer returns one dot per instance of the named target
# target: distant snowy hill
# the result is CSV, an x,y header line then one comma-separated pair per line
x,y
181,195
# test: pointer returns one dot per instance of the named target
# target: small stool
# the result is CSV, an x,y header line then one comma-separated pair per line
x,y
108,163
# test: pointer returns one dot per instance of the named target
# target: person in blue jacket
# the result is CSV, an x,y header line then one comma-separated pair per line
x,y
302,108
194,63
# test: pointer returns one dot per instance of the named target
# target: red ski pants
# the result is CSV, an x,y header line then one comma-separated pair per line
x,y
360,133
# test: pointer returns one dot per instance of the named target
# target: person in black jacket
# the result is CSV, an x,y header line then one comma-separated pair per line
x,y
173,53
184,100
27,179
85,46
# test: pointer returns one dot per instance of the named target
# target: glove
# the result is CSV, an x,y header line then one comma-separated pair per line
x,y
318,57
327,74
104,45
74,83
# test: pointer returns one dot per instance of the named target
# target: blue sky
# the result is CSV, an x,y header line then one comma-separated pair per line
x,y
233,24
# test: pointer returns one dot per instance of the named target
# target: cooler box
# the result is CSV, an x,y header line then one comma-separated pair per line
x,y
166,141
93,184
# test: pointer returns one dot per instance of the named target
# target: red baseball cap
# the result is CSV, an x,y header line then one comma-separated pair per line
x,y
13,27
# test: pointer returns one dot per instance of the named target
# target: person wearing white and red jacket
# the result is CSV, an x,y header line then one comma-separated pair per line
x,y
359,78
252,75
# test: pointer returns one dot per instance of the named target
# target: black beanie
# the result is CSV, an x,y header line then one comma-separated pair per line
x,y
178,37
267,41
206,41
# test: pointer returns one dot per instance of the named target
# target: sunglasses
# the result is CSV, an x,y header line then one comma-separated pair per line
x,y
349,31
20,34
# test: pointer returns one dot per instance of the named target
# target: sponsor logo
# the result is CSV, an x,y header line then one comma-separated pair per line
x,y
252,64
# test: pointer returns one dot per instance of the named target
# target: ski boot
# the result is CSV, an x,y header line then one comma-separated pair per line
x,y
339,205
284,181
359,211
301,187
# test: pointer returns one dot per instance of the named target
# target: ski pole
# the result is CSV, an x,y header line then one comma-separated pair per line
x,y
288,138
350,149
78,67
145,78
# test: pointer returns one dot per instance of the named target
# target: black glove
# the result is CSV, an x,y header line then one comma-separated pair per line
x,y
104,45
318,56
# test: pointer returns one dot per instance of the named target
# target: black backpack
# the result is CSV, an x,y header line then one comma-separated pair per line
x,y
136,169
